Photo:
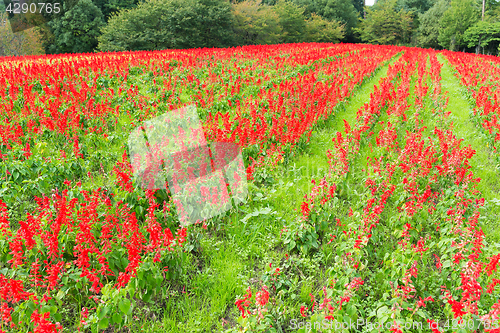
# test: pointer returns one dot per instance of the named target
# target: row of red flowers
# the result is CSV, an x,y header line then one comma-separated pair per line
x,y
408,240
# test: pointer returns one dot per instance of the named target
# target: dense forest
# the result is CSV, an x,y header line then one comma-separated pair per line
x,y
119,25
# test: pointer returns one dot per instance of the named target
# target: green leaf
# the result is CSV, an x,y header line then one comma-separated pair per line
x,y
159,280
383,310
421,314
103,323
124,305
45,308
132,289
31,305
103,312
142,283
147,296
351,310
117,319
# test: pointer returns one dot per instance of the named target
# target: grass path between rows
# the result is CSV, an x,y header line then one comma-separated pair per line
x,y
482,162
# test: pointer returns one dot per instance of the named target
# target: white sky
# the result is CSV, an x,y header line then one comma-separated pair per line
x,y
369,2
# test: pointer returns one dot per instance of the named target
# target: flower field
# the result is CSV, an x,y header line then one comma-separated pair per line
x,y
364,211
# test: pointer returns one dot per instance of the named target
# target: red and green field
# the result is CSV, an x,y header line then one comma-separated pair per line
x,y
373,192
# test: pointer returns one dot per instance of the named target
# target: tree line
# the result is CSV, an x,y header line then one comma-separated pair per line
x,y
457,25
122,25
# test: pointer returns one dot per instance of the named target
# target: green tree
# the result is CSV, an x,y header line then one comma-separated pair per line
x,y
460,16
77,30
292,21
417,6
255,24
215,19
429,28
343,11
359,5
492,12
320,30
484,34
165,24
309,6
109,7
384,24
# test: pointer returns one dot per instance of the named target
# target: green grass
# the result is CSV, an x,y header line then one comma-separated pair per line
x,y
206,295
